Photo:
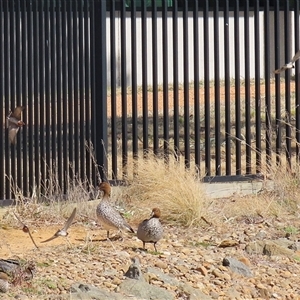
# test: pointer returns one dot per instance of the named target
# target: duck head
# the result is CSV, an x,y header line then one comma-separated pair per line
x,y
105,188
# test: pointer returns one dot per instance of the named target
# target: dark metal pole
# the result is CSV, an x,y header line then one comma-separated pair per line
x,y
99,116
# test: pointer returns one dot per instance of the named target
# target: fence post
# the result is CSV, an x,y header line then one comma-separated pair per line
x,y
99,96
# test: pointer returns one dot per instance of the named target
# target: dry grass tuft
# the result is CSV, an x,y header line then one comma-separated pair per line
x,y
53,207
172,188
286,187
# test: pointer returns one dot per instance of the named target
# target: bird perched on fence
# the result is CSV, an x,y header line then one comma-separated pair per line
x,y
289,65
107,215
151,230
14,123
64,230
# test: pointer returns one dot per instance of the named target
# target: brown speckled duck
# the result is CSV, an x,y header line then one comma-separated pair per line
x,y
151,230
107,215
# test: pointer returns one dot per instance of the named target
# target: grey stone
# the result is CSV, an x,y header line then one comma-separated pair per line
x,y
256,247
275,248
294,246
82,291
237,266
144,291
134,271
193,293
162,276
269,247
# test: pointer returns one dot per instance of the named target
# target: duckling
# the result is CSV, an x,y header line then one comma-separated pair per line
x,y
108,216
151,230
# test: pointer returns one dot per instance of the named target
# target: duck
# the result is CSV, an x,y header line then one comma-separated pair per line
x,y
107,215
151,230
14,123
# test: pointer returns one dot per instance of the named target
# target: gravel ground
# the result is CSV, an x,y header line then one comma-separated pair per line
x,y
267,248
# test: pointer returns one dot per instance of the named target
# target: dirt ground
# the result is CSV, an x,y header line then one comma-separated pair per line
x,y
170,95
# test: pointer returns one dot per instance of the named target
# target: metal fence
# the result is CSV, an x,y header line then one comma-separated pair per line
x,y
76,67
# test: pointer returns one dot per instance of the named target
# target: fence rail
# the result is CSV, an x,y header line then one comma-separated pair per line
x,y
104,83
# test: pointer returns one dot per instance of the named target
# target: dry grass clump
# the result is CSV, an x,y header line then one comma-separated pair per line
x,y
52,207
169,186
287,186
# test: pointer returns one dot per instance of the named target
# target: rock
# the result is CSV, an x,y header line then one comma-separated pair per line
x,y
245,261
134,271
4,286
237,266
169,279
228,243
143,290
219,274
274,248
160,264
263,292
294,246
232,293
192,293
256,247
81,291
172,281
269,248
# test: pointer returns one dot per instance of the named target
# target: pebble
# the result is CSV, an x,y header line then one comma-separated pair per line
x,y
160,264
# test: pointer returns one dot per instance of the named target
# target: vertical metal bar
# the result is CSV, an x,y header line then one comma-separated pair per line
x,y
134,85
277,80
41,130
88,86
186,87
175,79
124,89
206,87
60,99
267,85
48,107
19,94
36,76
257,88
25,80
297,79
65,96
29,123
217,90
155,78
247,88
7,95
12,72
227,90
2,107
82,157
238,153
113,84
144,77
101,84
54,99
165,79
70,89
287,42
75,79
196,88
